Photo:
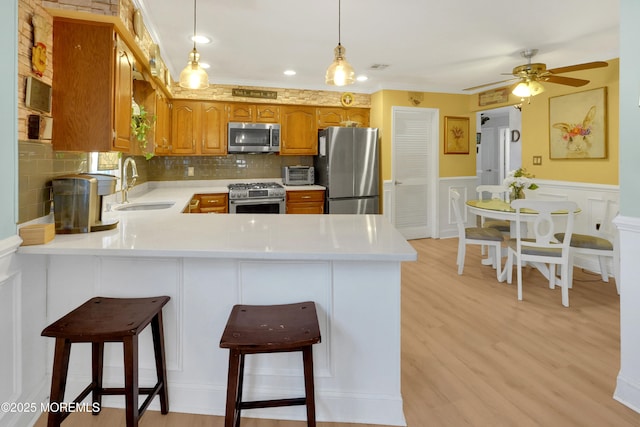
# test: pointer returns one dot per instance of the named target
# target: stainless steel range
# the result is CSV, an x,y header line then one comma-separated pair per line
x,y
257,197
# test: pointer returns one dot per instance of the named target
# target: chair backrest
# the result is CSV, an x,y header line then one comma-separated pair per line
x,y
543,223
454,197
496,191
607,230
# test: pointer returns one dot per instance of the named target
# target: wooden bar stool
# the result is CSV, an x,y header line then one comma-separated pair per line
x,y
253,329
101,320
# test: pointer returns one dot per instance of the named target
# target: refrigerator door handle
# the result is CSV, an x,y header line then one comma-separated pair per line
x,y
398,183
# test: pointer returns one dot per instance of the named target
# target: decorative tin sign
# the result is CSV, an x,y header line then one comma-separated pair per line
x,y
493,96
255,93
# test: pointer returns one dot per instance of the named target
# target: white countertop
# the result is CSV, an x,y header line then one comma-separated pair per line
x,y
170,233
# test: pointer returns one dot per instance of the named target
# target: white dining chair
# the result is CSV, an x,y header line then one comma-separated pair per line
x,y
542,248
601,244
475,236
496,192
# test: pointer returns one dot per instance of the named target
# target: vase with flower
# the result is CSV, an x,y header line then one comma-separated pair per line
x,y
517,181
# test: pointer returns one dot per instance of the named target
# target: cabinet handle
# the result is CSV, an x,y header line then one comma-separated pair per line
x,y
306,197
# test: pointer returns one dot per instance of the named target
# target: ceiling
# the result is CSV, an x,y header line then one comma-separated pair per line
x,y
431,46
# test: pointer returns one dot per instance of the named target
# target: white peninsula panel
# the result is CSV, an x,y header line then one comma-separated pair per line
x,y
348,265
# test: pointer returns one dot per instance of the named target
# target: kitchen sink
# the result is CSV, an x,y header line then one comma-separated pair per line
x,y
144,206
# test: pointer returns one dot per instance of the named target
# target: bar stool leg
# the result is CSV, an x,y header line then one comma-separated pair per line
x,y
232,412
97,361
307,359
161,368
130,346
59,379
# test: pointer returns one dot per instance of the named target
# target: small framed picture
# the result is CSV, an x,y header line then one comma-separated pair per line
x,y
456,135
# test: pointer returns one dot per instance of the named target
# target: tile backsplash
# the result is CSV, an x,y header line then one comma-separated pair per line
x,y
233,166
38,164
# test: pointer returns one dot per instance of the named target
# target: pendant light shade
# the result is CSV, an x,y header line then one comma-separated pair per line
x,y
528,88
340,72
193,76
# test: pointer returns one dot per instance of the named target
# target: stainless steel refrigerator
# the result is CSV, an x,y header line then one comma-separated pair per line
x,y
348,166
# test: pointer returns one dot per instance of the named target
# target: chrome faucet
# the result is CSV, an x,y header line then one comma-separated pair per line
x,y
124,182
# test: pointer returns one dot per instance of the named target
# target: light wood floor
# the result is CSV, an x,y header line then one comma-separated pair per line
x,y
472,355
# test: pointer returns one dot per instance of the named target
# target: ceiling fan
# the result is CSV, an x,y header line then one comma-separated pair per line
x,y
530,75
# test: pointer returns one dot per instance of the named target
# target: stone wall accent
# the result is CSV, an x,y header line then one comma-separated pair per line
x,y
285,96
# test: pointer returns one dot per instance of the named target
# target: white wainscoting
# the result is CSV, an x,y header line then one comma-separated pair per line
x,y
628,382
22,310
589,197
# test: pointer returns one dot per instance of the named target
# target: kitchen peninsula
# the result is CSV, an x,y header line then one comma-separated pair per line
x,y
348,264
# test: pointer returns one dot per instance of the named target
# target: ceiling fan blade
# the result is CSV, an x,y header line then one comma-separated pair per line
x,y
579,67
569,81
490,84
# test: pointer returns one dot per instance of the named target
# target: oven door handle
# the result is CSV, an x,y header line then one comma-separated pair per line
x,y
255,201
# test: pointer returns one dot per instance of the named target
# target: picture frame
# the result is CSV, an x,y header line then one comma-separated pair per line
x,y
578,125
456,135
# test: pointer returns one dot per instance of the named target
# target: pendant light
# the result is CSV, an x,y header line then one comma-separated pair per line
x,y
340,72
193,76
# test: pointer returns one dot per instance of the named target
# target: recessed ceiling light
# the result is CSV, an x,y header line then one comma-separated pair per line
x,y
362,78
200,39
289,73
204,65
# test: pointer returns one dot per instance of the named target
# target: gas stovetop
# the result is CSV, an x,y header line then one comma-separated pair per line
x,y
256,190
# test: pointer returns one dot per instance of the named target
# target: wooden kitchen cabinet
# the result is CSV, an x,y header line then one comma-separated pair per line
x,y
254,113
92,87
162,125
198,127
298,132
185,125
209,203
335,116
305,202
213,126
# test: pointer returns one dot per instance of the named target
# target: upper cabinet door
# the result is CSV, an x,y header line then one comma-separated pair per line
x,y
329,117
123,94
163,125
299,133
84,68
185,127
214,128
267,113
241,112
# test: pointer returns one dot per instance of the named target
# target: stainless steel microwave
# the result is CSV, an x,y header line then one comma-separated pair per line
x,y
253,138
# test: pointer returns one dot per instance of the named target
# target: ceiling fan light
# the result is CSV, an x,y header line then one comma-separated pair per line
x,y
340,72
193,76
527,89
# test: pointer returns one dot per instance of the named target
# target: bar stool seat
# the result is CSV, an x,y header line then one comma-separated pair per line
x,y
101,320
253,329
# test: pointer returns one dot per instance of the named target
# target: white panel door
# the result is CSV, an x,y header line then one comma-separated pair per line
x,y
414,170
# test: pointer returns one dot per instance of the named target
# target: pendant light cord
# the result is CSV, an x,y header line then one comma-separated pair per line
x,y
194,24
339,25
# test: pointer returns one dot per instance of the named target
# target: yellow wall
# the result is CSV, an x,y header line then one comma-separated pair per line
x,y
447,104
535,132
535,129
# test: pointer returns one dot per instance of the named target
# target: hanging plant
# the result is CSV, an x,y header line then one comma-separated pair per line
x,y
140,125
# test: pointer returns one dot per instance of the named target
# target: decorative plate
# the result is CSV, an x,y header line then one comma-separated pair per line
x,y
347,99
138,25
154,60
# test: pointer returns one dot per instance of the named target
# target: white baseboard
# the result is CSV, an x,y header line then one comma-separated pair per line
x,y
330,407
